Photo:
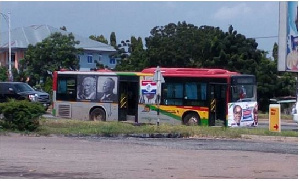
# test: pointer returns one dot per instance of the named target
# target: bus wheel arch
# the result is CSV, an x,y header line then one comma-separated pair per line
x,y
191,118
97,114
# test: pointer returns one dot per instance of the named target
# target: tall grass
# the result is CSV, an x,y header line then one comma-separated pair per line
x,y
70,127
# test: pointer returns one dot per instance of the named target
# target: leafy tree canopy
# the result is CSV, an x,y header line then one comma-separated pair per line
x,y
55,52
137,60
113,39
186,45
100,38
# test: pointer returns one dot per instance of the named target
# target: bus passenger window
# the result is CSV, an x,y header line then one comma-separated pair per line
x,y
203,91
62,87
66,89
191,91
174,90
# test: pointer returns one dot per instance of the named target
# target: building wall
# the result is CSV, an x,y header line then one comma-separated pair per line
x,y
89,60
16,56
85,62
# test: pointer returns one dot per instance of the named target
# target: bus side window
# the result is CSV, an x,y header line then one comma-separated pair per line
x,y
172,94
66,89
62,87
203,91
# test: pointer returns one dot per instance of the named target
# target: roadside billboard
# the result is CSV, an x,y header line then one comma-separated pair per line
x,y
288,36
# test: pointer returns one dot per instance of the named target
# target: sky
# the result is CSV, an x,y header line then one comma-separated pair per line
x,y
254,19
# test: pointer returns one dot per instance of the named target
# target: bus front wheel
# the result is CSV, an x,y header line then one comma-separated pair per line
x,y
98,115
191,119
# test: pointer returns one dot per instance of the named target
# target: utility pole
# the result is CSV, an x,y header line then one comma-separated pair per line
x,y
7,18
10,78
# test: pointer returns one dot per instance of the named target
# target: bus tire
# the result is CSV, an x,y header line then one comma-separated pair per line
x,y
98,115
191,119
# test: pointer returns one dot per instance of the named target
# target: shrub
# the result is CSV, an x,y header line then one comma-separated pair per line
x,y
21,115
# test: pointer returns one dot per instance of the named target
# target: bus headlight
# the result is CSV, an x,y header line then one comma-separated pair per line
x,y
33,97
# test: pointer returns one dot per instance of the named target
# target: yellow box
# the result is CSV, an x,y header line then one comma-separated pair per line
x,y
274,118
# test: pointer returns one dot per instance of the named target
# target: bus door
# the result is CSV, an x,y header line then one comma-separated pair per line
x,y
218,106
128,98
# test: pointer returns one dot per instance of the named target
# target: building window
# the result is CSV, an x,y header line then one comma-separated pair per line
x,y
90,58
112,61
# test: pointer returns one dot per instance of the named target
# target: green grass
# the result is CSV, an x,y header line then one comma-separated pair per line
x,y
71,127
283,116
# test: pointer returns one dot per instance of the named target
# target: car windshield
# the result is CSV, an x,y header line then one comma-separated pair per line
x,y
22,87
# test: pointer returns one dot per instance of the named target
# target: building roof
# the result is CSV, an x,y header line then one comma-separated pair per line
x,y
22,37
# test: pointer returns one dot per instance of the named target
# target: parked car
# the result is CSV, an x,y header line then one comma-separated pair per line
x,y
22,91
294,112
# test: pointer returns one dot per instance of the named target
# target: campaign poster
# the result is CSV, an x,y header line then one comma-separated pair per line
x,y
148,90
242,114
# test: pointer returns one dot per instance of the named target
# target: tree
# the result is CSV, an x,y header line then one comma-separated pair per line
x,y
186,45
266,82
113,40
55,52
137,60
100,38
3,74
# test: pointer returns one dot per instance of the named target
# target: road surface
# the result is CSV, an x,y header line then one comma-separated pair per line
x,y
286,125
140,158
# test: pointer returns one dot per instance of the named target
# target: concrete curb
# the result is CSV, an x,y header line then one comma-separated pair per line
x,y
165,135
141,135
270,138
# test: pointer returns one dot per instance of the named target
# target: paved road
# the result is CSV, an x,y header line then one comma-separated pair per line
x,y
286,125
136,158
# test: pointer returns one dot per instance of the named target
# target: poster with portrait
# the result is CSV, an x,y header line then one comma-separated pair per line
x,y
148,90
288,36
107,87
86,87
241,114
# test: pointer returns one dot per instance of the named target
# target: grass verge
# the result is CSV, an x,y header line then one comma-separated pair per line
x,y
283,116
71,127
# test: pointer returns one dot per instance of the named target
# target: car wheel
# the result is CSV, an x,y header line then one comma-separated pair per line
x,y
98,115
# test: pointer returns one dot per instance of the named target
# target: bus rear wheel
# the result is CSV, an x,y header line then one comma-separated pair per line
x,y
98,115
191,119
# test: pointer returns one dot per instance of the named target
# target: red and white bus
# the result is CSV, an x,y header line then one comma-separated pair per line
x,y
188,96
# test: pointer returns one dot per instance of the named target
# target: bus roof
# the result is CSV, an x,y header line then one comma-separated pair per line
x,y
168,72
102,72
192,72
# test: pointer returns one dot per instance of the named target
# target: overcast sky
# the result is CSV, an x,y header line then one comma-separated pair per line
x,y
136,18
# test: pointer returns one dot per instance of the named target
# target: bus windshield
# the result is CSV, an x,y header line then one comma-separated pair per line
x,y
242,93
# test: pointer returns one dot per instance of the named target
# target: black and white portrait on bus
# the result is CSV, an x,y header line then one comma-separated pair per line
x,y
86,89
107,89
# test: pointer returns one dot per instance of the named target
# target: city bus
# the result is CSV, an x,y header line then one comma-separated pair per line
x,y
189,96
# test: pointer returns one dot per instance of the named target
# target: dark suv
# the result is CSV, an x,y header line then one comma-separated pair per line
x,y
22,91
